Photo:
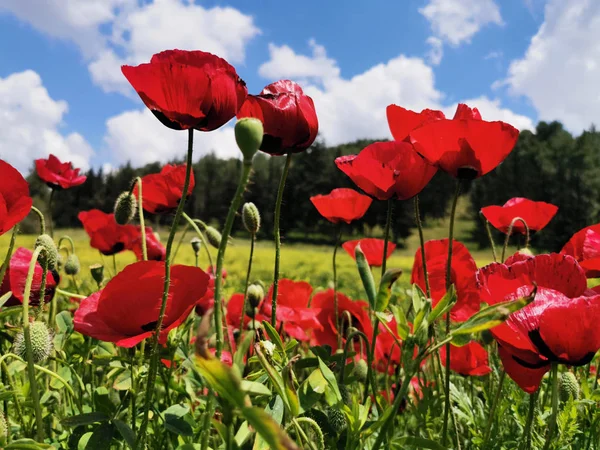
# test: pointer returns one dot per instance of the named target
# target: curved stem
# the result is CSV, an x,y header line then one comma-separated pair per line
x,y
247,281
509,232
66,238
349,340
552,425
335,296
488,428
51,221
69,294
28,350
235,206
386,238
491,239
11,246
193,224
526,442
422,242
448,283
167,283
42,220
277,233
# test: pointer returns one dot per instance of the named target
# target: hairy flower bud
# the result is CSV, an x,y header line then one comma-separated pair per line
x,y
41,342
251,217
249,135
213,237
97,271
346,394
196,245
255,294
125,208
361,370
49,255
72,265
337,420
568,386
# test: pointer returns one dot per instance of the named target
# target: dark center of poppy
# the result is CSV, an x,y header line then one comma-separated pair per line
x,y
119,246
271,144
467,173
150,326
536,339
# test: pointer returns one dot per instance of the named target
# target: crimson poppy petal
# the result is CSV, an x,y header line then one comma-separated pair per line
x,y
342,204
15,201
372,248
535,214
470,359
57,174
402,121
528,379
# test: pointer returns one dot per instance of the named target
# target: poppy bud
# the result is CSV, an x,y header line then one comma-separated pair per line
x,y
49,255
255,294
196,245
346,394
125,208
72,265
60,261
41,342
268,347
250,310
525,252
213,237
3,430
337,420
249,135
97,271
568,386
251,217
361,370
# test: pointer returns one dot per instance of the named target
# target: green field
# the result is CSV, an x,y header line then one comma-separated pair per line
x,y
312,263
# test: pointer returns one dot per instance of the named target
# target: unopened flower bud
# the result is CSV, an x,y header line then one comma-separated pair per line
x,y
41,342
196,245
249,135
337,420
255,294
97,271
346,394
525,252
568,386
213,237
251,217
125,208
267,347
360,371
49,254
60,261
72,265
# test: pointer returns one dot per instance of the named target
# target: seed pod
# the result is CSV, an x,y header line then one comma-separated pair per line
x,y
72,265
337,420
568,386
251,217
41,342
361,370
196,245
213,237
49,254
249,135
255,294
97,271
125,208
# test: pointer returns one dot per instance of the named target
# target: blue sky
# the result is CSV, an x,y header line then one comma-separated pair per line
x,y
61,89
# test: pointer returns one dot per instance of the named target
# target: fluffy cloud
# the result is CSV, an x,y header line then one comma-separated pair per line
x,y
354,108
559,73
30,123
456,21
138,137
436,51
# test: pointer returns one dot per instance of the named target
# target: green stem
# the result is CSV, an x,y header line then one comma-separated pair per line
x,y
11,246
69,294
386,238
16,400
448,284
181,238
335,296
277,233
509,232
488,428
207,415
152,372
194,225
140,199
552,425
42,220
28,350
51,221
422,242
66,238
488,230
253,239
233,209
526,442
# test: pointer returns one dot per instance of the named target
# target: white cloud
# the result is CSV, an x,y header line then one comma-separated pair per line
x,y
138,137
284,62
456,21
30,123
559,73
436,52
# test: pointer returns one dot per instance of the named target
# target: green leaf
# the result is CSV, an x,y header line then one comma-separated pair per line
x,y
444,305
5,298
222,379
403,328
255,388
274,336
126,432
242,350
101,437
175,420
84,419
364,270
312,389
10,310
331,381
274,376
123,381
385,288
269,430
25,444
418,442
418,298
64,322
65,374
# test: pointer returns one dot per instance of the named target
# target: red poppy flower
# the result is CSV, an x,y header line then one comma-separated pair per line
x,y
156,251
388,169
234,312
15,202
188,89
342,204
105,234
324,302
58,175
288,116
292,309
584,246
466,146
16,276
372,248
162,191
536,214
470,359
126,310
463,276
402,121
